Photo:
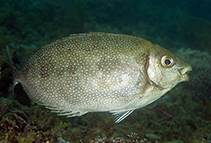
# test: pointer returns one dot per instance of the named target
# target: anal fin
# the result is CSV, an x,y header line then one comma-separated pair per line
x,y
121,114
66,113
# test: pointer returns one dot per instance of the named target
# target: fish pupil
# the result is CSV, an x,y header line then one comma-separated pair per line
x,y
167,62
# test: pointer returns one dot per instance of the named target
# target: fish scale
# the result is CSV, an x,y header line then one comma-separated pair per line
x,y
95,72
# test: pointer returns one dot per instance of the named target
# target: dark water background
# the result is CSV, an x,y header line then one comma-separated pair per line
x,y
182,26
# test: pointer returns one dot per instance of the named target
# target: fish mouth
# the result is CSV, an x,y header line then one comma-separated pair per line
x,y
183,72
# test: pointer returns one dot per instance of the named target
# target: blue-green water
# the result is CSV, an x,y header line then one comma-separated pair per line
x,y
183,26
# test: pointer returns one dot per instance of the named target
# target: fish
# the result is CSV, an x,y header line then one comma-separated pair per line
x,y
100,72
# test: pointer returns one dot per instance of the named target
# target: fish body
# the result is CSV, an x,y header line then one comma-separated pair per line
x,y
96,72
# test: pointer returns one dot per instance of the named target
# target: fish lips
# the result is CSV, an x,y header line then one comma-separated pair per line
x,y
183,73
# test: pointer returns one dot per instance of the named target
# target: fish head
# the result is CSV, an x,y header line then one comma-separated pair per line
x,y
165,69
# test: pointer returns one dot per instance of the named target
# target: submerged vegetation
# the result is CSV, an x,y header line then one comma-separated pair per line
x,y
183,115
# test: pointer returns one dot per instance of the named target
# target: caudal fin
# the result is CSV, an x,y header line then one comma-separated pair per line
x,y
16,72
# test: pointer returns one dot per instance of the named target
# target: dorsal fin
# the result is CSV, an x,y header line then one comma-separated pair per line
x,y
10,60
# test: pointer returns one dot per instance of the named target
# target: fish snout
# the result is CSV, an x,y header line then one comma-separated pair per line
x,y
183,71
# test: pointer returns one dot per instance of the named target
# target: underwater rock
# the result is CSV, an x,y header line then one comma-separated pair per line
x,y
22,125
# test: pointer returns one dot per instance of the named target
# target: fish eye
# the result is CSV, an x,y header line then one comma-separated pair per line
x,y
167,61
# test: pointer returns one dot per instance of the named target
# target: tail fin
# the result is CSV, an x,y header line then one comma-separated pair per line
x,y
16,72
